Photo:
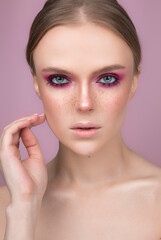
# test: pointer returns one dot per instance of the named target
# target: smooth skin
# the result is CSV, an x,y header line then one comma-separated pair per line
x,y
94,188
21,174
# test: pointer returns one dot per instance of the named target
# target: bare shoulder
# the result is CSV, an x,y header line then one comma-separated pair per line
x,y
146,176
150,173
146,173
156,173
144,168
4,202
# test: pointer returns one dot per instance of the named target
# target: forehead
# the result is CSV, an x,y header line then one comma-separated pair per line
x,y
83,45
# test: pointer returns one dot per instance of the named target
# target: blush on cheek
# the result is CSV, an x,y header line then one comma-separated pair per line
x,y
54,106
52,111
50,102
51,107
116,105
120,102
120,110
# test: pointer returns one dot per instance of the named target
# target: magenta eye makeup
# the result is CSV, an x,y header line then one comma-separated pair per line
x,y
105,80
57,80
110,79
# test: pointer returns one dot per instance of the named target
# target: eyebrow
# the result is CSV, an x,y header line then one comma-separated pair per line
x,y
98,71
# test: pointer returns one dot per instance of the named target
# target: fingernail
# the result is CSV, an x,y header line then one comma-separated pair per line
x,y
41,115
32,116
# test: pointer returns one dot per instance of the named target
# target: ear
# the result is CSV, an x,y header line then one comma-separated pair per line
x,y
134,84
36,86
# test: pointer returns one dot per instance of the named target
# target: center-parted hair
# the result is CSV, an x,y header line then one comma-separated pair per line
x,y
107,13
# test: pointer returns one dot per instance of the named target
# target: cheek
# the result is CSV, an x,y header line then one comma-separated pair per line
x,y
54,108
120,103
51,104
115,106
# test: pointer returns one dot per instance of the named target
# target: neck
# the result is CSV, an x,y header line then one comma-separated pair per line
x,y
109,164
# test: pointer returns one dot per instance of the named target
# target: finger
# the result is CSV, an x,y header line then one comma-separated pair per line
x,y
33,116
31,143
9,149
9,140
40,121
11,134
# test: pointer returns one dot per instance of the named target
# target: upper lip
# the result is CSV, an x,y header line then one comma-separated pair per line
x,y
85,125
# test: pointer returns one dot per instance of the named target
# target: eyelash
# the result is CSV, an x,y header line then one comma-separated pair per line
x,y
108,84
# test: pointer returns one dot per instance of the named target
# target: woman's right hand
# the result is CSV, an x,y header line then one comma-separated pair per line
x,y
26,180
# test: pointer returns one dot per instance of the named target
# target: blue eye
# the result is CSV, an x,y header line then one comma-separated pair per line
x,y
109,79
59,80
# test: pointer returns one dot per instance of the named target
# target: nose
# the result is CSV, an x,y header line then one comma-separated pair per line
x,y
84,99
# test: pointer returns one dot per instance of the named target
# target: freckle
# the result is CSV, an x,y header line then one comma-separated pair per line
x,y
89,156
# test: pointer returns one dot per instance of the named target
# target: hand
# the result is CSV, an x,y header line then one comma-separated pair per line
x,y
26,180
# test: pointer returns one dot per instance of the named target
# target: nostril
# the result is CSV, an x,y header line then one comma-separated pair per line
x,y
85,108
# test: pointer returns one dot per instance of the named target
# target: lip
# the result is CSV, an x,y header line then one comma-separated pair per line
x,y
85,125
85,133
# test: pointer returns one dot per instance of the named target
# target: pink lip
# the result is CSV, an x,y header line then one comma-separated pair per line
x,y
78,130
85,125
85,133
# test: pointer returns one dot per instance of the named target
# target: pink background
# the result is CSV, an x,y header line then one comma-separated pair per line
x,y
142,126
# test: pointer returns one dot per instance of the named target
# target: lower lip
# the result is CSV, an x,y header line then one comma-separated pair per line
x,y
85,133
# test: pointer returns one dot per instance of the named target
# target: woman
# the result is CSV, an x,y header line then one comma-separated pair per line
x,y
85,60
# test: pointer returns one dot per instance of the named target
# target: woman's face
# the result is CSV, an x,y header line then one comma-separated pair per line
x,y
81,91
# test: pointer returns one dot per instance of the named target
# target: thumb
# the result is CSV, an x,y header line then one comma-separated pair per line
x,y
31,143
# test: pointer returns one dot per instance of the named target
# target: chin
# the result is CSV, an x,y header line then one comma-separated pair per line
x,y
84,148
